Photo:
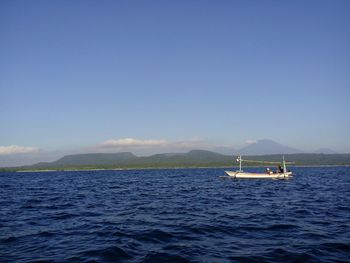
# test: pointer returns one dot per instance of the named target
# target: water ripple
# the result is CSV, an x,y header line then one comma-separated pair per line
x,y
185,215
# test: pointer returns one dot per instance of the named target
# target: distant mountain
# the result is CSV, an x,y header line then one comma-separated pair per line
x,y
195,158
88,159
325,151
263,147
192,158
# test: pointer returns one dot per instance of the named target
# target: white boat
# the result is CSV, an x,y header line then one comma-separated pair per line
x,y
282,172
241,174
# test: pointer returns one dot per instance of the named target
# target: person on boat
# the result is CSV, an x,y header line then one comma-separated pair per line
x,y
268,171
280,169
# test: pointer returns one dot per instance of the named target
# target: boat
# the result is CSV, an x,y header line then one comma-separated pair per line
x,y
281,173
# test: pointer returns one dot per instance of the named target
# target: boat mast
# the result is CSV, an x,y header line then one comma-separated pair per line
x,y
284,166
240,163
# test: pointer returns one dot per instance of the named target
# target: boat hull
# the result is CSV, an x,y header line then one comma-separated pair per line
x,y
238,174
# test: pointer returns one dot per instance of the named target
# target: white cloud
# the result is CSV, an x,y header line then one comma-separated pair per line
x,y
250,141
148,146
130,142
15,149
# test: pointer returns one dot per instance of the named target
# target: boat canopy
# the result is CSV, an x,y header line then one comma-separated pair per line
x,y
240,160
256,161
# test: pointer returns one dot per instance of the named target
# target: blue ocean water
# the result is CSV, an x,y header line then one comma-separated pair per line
x,y
184,215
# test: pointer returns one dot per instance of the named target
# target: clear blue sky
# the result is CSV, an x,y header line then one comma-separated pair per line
x,y
78,73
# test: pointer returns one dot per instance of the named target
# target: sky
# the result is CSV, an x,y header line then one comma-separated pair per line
x,y
79,76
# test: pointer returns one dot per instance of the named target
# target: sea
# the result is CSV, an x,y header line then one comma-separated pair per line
x,y
175,215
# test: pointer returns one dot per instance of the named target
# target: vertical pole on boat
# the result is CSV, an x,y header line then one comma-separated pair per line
x,y
284,166
240,163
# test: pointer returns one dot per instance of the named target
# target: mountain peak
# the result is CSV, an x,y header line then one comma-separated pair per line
x,y
267,146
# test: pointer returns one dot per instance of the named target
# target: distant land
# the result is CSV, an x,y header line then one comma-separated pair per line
x,y
194,158
251,148
325,151
266,147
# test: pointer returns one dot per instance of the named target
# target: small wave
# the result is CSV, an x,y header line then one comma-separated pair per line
x,y
284,255
163,257
214,229
8,239
40,261
336,246
114,187
46,234
27,206
55,198
63,215
253,228
272,227
248,259
155,235
89,214
31,202
113,253
343,208
281,227
302,212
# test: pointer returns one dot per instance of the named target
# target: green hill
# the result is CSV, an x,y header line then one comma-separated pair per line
x,y
194,158
93,159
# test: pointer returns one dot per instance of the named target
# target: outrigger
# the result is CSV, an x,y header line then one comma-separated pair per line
x,y
281,173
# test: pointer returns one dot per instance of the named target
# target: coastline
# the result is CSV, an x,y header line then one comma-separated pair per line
x,y
160,168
